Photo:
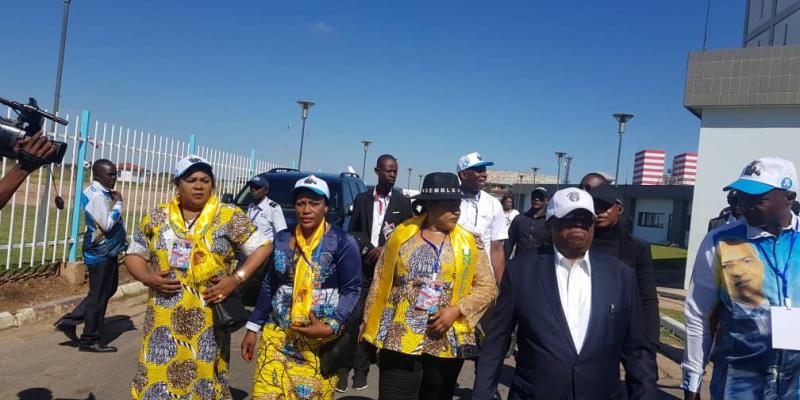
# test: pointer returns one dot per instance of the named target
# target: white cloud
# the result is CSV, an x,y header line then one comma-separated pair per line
x,y
321,27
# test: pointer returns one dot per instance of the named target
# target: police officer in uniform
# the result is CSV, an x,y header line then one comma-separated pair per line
x,y
265,214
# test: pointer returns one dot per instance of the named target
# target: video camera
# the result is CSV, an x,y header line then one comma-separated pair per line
x,y
29,121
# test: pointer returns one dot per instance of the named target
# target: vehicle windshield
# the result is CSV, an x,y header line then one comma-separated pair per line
x,y
280,191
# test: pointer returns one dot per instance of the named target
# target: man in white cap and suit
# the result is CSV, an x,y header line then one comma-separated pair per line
x,y
586,318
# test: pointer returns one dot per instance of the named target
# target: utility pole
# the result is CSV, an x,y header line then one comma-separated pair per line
x,y
566,169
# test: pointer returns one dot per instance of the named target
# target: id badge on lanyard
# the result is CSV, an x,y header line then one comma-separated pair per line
x,y
431,290
180,253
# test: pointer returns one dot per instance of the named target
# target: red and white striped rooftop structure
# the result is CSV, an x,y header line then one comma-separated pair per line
x,y
648,168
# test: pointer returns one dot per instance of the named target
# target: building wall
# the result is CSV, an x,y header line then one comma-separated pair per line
x,y
729,139
772,23
684,169
652,219
648,167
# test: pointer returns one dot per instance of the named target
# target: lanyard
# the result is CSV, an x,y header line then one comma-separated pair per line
x,y
784,274
253,218
437,250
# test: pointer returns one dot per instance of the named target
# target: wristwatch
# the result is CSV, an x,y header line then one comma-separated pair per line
x,y
239,275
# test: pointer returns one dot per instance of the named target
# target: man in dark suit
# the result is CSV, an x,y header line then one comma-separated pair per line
x,y
579,316
375,215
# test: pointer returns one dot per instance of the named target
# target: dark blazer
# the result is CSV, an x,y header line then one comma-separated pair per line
x,y
635,252
398,210
548,366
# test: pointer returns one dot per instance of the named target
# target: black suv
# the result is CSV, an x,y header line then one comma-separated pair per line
x,y
343,189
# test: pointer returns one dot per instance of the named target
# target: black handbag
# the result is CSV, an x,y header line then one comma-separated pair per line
x,y
341,352
229,315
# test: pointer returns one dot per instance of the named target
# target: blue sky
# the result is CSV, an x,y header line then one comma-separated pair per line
x,y
426,81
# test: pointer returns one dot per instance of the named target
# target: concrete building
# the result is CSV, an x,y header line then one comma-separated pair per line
x,y
648,167
772,23
748,101
660,214
684,169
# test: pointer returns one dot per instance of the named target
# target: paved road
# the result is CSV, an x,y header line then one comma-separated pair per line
x,y
37,363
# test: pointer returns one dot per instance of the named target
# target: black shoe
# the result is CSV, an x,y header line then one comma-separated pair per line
x,y
66,329
341,387
97,348
360,381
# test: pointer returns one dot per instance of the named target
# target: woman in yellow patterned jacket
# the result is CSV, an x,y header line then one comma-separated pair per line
x,y
431,287
183,251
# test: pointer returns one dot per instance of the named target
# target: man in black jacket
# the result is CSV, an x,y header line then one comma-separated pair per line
x,y
611,238
375,215
527,230
587,319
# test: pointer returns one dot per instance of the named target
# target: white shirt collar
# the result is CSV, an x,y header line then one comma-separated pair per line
x,y
262,205
765,305
99,186
755,233
582,262
376,194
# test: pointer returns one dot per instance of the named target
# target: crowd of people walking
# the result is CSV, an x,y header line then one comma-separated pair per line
x,y
420,285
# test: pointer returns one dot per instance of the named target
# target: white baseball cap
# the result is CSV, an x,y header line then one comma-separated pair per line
x,y
472,160
764,174
189,161
313,184
568,200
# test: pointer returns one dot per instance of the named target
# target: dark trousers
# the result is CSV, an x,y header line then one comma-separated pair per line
x,y
406,377
361,361
103,280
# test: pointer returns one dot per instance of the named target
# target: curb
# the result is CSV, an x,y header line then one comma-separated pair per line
x,y
674,326
52,309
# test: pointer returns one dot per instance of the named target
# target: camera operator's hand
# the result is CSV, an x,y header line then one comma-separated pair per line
x,y
33,151
116,196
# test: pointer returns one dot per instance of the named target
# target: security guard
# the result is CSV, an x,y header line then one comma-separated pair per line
x,y
265,214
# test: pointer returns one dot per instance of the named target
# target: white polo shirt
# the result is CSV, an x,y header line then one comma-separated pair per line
x,y
483,215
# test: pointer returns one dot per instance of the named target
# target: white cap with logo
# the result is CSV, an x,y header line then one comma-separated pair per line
x,y
568,200
764,174
189,161
472,160
313,184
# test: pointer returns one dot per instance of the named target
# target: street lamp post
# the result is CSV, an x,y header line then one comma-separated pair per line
x,y
622,119
535,170
366,144
420,182
409,178
304,106
48,169
560,156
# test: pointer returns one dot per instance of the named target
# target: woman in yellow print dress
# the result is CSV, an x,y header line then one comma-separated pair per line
x,y
431,287
304,301
183,251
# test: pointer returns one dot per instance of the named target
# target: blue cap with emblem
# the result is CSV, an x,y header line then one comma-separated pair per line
x,y
765,174
260,181
472,160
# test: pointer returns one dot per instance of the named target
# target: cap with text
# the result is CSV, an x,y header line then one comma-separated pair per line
x,y
184,164
472,160
765,174
568,200
313,184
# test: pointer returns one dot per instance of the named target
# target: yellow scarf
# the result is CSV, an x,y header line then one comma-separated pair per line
x,y
465,255
203,263
303,289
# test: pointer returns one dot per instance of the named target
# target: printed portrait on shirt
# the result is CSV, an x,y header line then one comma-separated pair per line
x,y
742,272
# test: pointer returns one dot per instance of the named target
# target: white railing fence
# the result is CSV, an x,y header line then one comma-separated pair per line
x,y
34,233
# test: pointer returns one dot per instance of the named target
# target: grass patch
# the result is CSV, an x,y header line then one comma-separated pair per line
x,y
674,314
665,257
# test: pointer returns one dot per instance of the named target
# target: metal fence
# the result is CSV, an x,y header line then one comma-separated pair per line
x,y
34,233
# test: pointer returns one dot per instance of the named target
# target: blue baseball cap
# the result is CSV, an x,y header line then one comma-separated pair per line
x,y
472,160
259,180
765,174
